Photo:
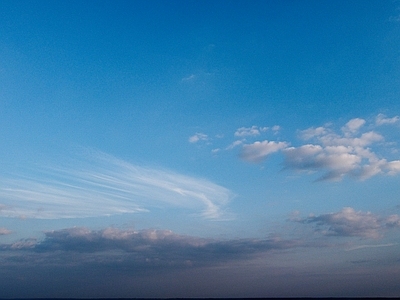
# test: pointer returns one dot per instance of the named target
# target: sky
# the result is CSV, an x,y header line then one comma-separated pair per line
x,y
199,148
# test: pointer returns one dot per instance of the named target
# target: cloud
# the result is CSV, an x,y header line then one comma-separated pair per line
x,y
142,249
198,137
234,144
258,151
100,184
338,155
249,131
371,246
349,222
312,133
353,126
309,157
276,128
353,150
4,231
382,120
189,78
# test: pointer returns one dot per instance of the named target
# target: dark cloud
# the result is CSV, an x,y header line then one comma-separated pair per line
x,y
79,262
142,249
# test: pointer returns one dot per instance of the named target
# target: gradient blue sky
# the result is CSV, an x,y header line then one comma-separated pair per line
x,y
206,148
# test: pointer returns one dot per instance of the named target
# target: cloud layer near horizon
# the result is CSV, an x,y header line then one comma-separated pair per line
x,y
99,184
141,249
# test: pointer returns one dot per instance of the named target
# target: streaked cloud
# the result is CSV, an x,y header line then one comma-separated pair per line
x,y
382,120
234,144
99,184
349,222
371,246
189,78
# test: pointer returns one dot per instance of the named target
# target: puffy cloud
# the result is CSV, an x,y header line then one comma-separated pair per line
x,y
257,151
349,222
249,131
382,120
338,155
198,137
338,160
4,231
101,185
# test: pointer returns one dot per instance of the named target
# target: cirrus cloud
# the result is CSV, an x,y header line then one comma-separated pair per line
x,y
100,184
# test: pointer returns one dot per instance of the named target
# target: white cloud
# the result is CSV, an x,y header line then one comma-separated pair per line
x,y
198,137
393,221
393,167
353,126
337,160
312,133
4,231
257,151
104,185
339,155
382,120
276,128
249,131
189,78
233,145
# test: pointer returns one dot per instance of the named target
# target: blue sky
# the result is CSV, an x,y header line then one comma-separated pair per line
x,y
190,144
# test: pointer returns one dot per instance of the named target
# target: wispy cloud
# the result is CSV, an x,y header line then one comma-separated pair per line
x,y
349,222
371,246
382,120
100,184
198,137
249,131
189,78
